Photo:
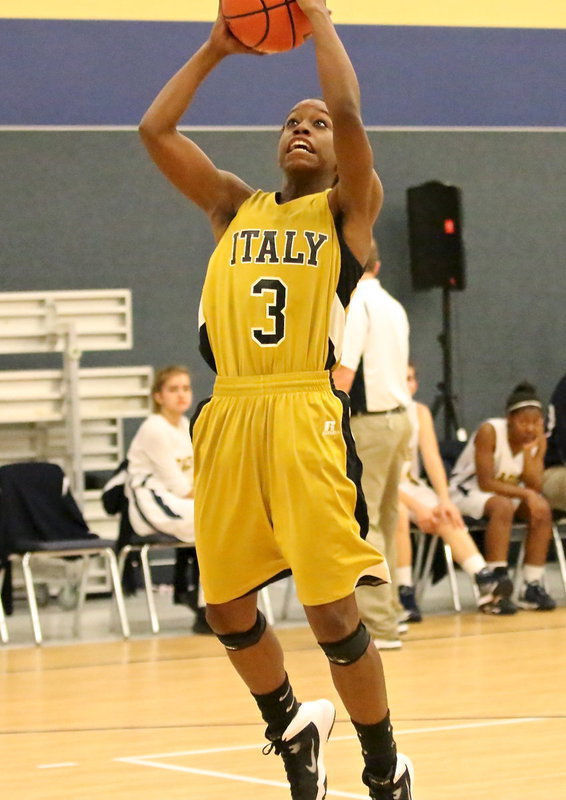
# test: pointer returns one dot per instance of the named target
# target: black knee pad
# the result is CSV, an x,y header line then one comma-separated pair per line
x,y
348,650
239,641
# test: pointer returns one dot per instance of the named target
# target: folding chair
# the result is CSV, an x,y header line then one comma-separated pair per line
x,y
143,545
424,566
3,629
558,533
518,534
39,519
129,542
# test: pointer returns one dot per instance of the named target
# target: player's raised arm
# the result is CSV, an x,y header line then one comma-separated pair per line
x,y
359,192
218,193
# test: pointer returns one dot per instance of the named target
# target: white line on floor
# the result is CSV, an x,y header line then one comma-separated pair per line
x,y
55,766
229,776
462,726
147,761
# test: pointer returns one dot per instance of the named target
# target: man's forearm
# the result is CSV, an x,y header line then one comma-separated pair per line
x,y
343,378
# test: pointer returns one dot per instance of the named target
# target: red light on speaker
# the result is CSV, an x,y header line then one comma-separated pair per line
x,y
449,226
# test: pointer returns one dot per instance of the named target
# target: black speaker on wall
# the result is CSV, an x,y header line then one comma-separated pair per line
x,y
435,236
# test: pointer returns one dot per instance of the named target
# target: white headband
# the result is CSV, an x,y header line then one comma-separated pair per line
x,y
524,404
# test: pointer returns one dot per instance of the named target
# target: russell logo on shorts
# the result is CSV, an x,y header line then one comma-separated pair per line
x,y
330,428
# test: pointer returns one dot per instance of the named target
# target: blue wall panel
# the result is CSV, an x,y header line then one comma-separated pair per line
x,y
106,73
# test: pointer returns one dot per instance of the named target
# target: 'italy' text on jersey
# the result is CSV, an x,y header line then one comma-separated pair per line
x,y
255,246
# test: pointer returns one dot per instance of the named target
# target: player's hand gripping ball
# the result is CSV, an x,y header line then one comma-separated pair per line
x,y
268,26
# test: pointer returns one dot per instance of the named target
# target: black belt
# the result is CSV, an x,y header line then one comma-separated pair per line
x,y
396,410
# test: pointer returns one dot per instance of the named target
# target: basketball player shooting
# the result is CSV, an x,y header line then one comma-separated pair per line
x,y
276,475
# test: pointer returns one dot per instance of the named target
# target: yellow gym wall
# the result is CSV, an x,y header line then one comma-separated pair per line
x,y
481,13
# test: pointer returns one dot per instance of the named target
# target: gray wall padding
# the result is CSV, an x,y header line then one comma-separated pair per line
x,y
87,210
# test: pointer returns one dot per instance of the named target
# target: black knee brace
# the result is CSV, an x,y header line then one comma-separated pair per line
x,y
239,641
348,650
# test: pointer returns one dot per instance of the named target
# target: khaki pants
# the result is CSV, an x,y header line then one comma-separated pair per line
x,y
382,442
554,486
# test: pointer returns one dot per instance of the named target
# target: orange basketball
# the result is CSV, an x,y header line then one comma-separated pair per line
x,y
269,26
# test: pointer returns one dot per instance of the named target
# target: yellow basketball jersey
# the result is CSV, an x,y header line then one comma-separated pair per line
x,y
276,289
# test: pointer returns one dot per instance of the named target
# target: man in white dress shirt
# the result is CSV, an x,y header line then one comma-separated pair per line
x,y
373,371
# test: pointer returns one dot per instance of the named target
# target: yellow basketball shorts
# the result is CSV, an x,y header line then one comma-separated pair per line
x,y
277,488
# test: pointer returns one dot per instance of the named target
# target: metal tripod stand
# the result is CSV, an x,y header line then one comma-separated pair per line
x,y
446,399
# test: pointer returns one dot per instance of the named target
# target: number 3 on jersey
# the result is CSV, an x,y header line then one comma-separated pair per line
x,y
275,292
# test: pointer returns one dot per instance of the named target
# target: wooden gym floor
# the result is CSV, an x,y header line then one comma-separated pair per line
x,y
479,704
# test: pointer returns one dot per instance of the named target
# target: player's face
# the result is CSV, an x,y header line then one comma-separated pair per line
x,y
306,141
525,424
412,382
176,395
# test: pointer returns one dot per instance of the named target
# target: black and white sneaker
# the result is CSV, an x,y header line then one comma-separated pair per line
x,y
398,787
493,592
302,749
534,597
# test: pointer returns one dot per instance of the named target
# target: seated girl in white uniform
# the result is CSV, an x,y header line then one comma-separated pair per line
x,y
429,507
160,472
499,476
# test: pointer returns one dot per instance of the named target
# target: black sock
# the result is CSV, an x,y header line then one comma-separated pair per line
x,y
277,708
378,747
